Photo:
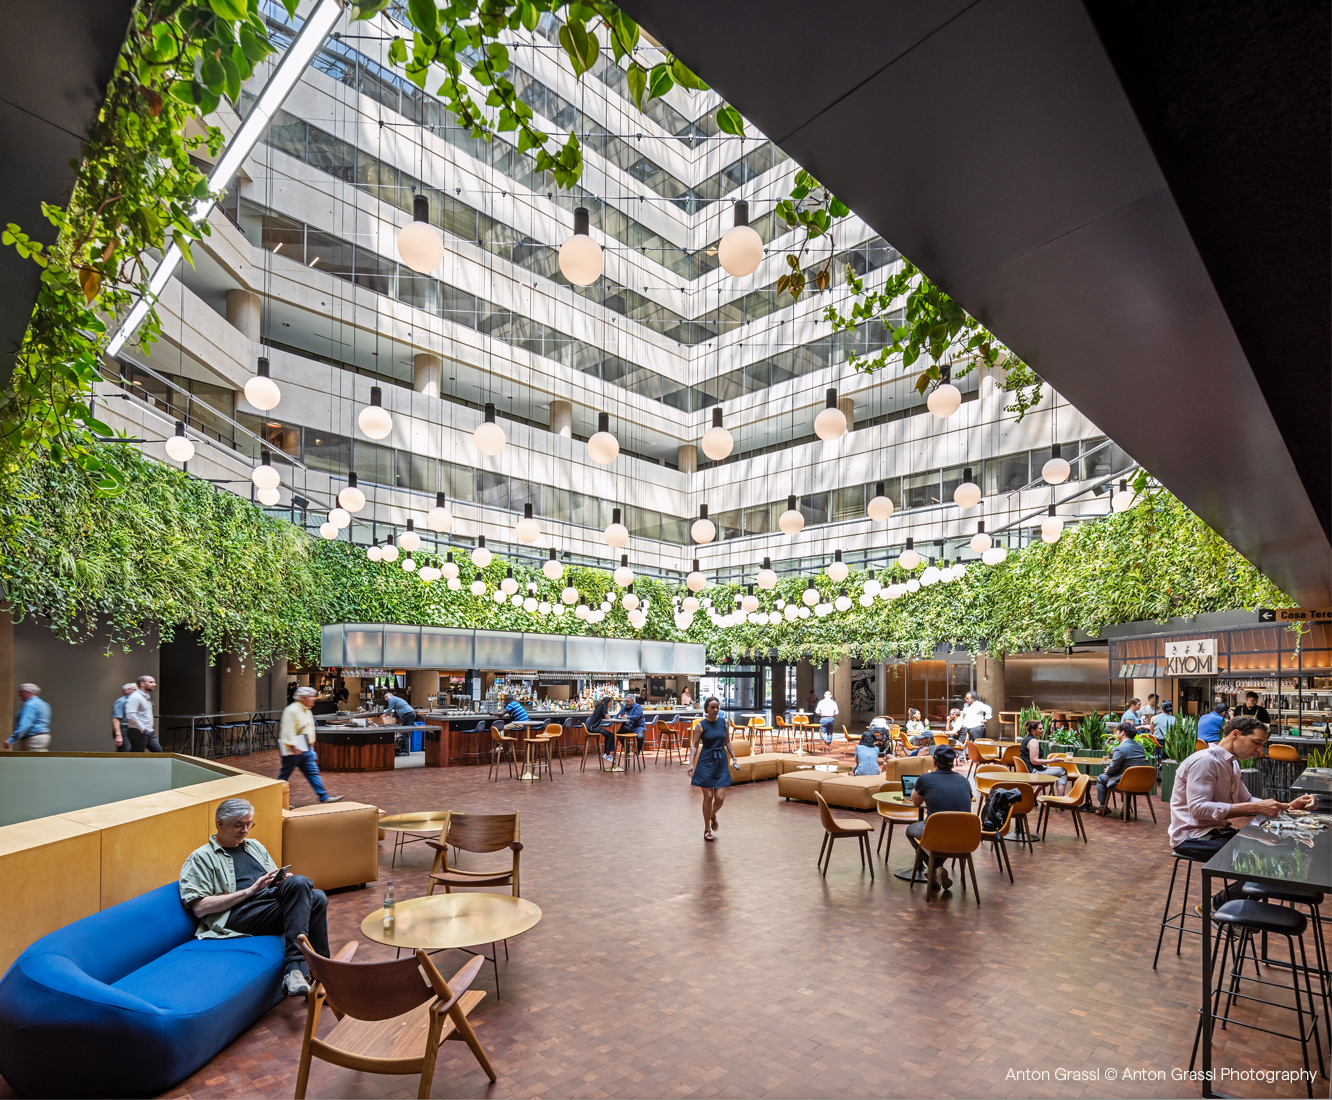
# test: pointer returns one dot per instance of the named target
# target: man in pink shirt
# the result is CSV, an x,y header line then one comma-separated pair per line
x,y
1209,794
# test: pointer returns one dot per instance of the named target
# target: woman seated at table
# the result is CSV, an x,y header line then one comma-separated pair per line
x,y
1030,754
916,730
867,755
596,724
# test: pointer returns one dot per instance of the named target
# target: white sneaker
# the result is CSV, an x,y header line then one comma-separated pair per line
x,y
295,984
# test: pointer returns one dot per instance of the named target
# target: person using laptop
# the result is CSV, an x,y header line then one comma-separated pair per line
x,y
940,791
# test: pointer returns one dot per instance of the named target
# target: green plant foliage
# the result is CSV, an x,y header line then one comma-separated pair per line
x,y
1029,713
171,551
1180,738
136,192
1092,734
934,325
813,208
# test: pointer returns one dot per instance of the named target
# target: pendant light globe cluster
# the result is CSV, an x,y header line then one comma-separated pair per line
x,y
374,420
261,391
695,581
767,576
420,244
623,575
603,448
838,571
1122,500
581,260
909,558
350,497
880,507
717,443
945,399
995,555
830,424
410,541
551,567
527,529
703,530
1052,526
968,494
792,521
488,436
740,250
1056,468
264,476
178,447
616,533
980,541
481,557
439,519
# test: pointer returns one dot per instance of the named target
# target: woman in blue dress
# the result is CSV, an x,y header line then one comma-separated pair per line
x,y
710,762
867,755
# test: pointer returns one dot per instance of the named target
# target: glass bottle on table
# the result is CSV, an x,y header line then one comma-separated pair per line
x,y
389,906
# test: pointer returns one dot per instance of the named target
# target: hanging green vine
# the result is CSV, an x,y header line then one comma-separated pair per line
x,y
172,552
136,193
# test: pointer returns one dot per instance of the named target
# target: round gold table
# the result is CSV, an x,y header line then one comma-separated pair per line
x,y
418,825
443,922
914,873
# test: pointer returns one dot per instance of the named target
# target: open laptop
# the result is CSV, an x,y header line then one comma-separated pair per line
x,y
908,784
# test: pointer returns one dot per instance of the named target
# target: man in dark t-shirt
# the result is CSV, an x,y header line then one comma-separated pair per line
x,y
940,791
1253,710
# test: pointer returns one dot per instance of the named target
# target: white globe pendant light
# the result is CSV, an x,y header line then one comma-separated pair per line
x,y
569,596
717,442
696,582
551,567
1051,527
630,599
740,250
580,256
267,497
767,577
261,391
450,568
478,588
930,575
872,586
502,598
350,498
880,507
810,596
410,540
791,612
994,555
1122,501
909,558
374,420
543,608
683,621
968,494
980,541
623,575
488,436
481,557
616,534
419,243
339,517
603,447
178,447
389,552
791,522
373,552
439,518
454,584
508,585
409,564
689,604
263,475
843,601
830,424
945,398
893,592
637,620
428,573
527,529
749,601
1056,469
837,571
703,529
328,531
581,612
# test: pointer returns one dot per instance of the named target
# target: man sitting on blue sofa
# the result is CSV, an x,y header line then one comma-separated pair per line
x,y
232,885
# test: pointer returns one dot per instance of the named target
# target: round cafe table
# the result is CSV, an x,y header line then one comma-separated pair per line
x,y
443,922
914,873
412,827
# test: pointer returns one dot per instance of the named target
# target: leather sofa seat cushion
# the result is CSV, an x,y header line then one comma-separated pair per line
x,y
790,761
851,791
801,785
332,845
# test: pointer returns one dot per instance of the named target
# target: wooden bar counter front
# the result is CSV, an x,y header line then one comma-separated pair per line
x,y
361,750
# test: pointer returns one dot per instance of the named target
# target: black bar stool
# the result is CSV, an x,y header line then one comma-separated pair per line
x,y
1240,921
1296,894
1168,918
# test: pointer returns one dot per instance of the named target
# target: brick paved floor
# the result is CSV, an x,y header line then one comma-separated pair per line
x,y
667,967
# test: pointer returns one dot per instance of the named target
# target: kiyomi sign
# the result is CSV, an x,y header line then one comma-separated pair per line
x,y
1195,658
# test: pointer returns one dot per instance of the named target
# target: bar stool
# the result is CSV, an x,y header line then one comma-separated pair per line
x,y
669,742
629,750
1295,894
502,747
592,743
1168,918
472,744
1240,920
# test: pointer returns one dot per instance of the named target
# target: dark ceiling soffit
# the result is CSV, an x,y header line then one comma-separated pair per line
x,y
1012,168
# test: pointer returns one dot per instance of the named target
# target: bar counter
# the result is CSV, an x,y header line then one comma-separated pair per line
x,y
356,750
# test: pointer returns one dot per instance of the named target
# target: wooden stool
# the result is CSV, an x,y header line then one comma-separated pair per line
x,y
628,745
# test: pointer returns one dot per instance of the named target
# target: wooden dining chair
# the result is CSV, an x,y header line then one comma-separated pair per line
x,y
1010,753
1139,781
950,834
1283,752
1199,745
1020,766
387,1022
892,816
479,833
834,828
995,837
502,747
1072,801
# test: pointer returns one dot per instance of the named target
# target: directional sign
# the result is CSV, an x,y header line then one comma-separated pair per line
x,y
1294,615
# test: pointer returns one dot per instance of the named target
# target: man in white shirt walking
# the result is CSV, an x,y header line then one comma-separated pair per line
x,y
139,717
296,738
974,716
827,712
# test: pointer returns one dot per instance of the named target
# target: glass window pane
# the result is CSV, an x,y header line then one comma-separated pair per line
x,y
920,490
330,155
555,503
757,520
456,481
328,253
287,132
643,523
416,290
1006,474
675,530
492,489
376,177
524,492
326,451
374,272
848,503
586,511
814,508
415,472
952,478
728,524
374,463
284,236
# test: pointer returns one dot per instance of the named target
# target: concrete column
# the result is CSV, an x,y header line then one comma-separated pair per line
x,y
561,418
880,689
239,685
8,698
990,688
425,373
424,684
848,407
779,700
688,460
804,683
244,312
277,685
839,683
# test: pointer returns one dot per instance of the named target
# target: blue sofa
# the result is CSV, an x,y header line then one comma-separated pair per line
x,y
127,1002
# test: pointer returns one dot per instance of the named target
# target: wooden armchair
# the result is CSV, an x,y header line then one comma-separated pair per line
x,y
476,833
384,1023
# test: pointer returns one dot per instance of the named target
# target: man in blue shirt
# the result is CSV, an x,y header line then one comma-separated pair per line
x,y
32,724
1209,725
397,706
515,717
634,722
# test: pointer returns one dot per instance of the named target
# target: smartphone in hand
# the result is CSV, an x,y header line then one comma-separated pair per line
x,y
283,872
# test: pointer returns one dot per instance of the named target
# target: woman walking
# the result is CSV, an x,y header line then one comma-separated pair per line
x,y
710,762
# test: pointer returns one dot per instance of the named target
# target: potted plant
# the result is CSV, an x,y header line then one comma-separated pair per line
x,y
1058,740
1091,735
1031,714
1178,743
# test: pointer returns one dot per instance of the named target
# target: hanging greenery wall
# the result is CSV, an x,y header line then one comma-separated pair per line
x,y
174,552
